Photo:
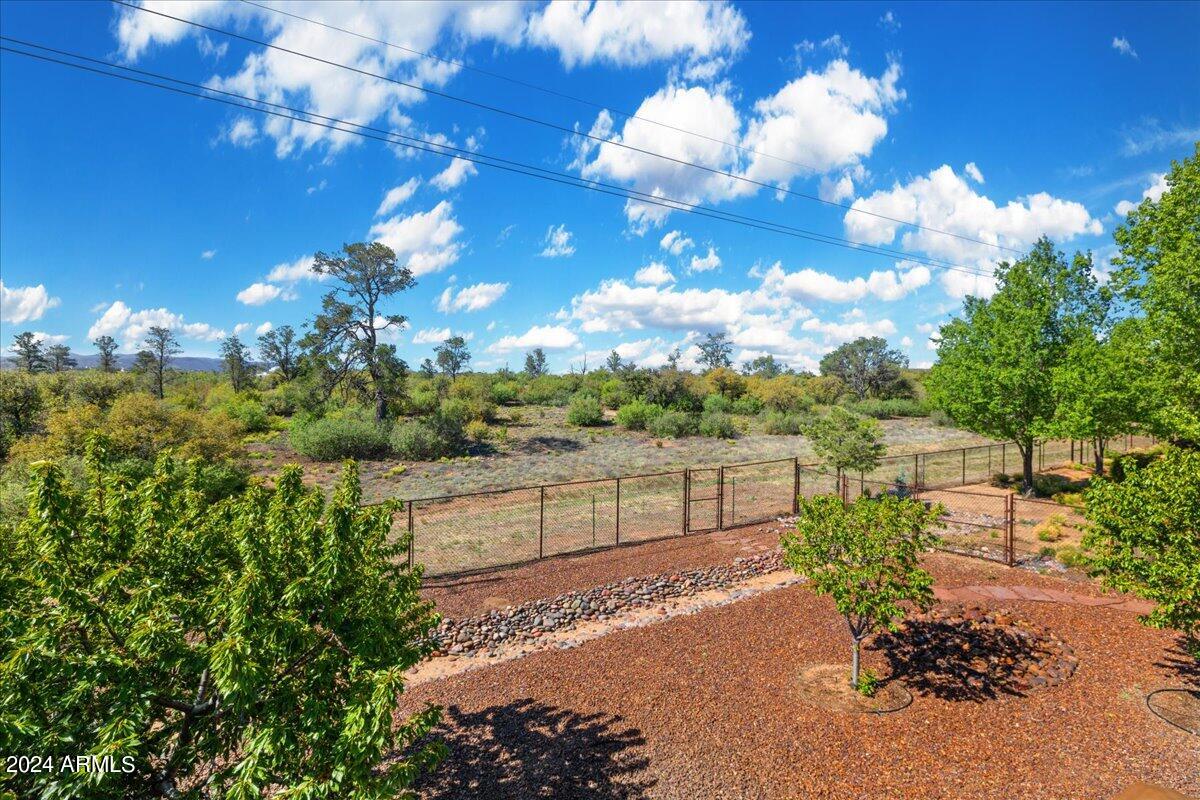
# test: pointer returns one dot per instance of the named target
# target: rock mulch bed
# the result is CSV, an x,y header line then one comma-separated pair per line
x,y
529,621
972,653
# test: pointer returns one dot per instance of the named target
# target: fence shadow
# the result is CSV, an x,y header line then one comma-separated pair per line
x,y
527,749
954,661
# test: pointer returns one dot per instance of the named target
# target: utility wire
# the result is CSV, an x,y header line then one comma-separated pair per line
x,y
390,137
555,126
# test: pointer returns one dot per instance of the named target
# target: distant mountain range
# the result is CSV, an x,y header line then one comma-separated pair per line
x,y
125,361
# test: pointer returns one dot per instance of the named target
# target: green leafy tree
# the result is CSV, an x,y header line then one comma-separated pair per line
x,y
1098,388
1145,538
236,359
867,366
994,362
715,351
59,357
154,359
278,348
764,367
107,346
535,363
429,369
452,356
29,352
1159,270
613,363
228,650
346,334
846,441
21,408
865,556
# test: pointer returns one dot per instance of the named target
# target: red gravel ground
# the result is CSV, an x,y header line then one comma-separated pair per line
x,y
706,706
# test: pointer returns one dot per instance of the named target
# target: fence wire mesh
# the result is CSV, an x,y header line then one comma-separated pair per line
x,y
505,527
758,492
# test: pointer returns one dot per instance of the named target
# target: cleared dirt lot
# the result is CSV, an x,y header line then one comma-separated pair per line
x,y
706,706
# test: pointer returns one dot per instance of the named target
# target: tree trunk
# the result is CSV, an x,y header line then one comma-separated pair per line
x,y
1098,449
380,401
854,663
1026,468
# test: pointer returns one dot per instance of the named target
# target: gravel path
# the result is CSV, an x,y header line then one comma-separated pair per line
x,y
705,706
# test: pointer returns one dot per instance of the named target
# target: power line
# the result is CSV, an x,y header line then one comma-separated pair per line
x,y
525,84
390,137
555,126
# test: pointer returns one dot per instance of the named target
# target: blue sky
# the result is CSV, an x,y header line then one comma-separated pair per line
x,y
124,207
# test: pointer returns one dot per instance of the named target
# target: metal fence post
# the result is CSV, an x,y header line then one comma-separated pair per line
x,y
686,500
618,510
411,537
1004,457
795,486
916,470
721,497
733,500
964,466
1010,543
541,521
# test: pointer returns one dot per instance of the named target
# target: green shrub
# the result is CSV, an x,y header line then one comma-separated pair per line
x,y
585,411
547,390
637,415
478,431
424,400
423,440
332,439
102,389
1122,462
940,418
889,409
613,394
505,393
457,411
674,425
748,405
778,423
248,413
717,404
781,393
1071,556
1049,485
717,425
219,621
825,389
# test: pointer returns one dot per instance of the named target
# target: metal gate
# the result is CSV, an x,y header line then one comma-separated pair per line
x,y
703,488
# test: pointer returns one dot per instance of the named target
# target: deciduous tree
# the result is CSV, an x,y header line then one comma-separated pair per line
x,y
865,556
1145,538
224,649
846,441
867,366
994,367
1159,270
764,367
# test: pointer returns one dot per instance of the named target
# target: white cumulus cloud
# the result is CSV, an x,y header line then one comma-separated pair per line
x,y
548,337
674,242
1158,185
25,303
397,196
426,241
709,262
654,274
471,298
557,243
130,326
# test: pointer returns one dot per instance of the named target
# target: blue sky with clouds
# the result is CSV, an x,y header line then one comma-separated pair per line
x,y
125,206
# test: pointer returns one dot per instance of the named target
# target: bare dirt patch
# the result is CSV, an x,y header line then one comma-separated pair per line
x,y
827,686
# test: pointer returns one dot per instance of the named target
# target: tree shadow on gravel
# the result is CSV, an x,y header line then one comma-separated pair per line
x,y
956,662
527,749
1181,664
539,445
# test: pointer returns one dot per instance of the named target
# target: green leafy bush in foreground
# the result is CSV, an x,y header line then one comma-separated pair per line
x,y
422,440
335,438
1145,538
216,650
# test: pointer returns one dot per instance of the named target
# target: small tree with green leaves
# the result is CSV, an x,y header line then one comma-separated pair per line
x,y
867,366
452,356
1145,539
60,359
227,649
107,347
279,349
846,441
613,363
236,360
866,557
715,351
29,353
161,347
535,363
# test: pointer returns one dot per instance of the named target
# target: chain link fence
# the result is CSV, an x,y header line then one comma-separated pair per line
x,y
506,527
